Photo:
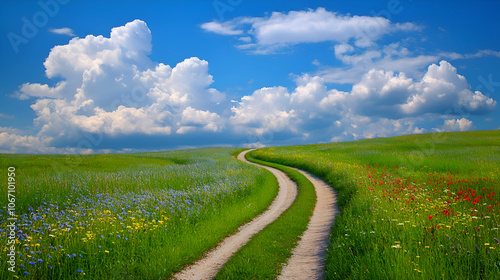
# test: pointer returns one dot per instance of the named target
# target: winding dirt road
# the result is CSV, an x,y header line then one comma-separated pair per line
x,y
308,258
214,260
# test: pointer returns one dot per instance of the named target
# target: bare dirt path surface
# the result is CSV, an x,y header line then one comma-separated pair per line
x,y
214,260
308,258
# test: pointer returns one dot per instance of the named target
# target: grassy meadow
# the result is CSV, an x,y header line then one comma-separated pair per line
x,y
412,207
130,216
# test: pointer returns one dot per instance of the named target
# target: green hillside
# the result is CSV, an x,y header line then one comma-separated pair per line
x,y
412,207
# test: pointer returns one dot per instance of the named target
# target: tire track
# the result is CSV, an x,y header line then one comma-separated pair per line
x,y
308,258
214,260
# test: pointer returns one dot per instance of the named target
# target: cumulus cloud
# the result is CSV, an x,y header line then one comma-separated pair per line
x,y
355,127
15,141
63,31
110,87
462,124
356,62
441,91
28,90
266,109
382,104
284,29
11,142
192,118
109,90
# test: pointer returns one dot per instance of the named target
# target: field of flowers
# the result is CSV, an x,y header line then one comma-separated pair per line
x,y
412,207
134,216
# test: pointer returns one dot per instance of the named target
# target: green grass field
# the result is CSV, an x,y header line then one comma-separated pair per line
x,y
132,216
412,207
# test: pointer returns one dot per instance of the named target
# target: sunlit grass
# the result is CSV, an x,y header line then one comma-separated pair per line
x,y
412,207
127,216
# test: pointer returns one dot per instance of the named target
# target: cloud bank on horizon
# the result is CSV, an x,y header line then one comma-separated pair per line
x,y
110,89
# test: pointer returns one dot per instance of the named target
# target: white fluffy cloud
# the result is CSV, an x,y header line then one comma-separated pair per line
x,y
16,143
382,104
28,90
396,57
462,124
284,29
266,109
356,62
354,127
192,118
442,90
111,87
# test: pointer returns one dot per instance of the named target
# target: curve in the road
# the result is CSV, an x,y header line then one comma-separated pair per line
x,y
214,260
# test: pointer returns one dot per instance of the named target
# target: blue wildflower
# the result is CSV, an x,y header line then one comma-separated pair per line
x,y
79,271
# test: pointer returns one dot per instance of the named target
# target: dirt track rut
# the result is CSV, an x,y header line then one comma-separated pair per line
x,y
308,258
214,260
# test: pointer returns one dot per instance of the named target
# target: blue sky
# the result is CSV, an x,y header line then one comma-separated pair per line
x,y
121,76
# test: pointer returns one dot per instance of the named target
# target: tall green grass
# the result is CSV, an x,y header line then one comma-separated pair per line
x,y
412,207
132,216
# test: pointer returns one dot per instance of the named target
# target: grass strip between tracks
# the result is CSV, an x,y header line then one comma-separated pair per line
x,y
265,254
